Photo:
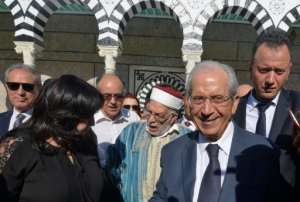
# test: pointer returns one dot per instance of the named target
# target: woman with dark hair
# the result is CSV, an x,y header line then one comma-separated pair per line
x,y
53,157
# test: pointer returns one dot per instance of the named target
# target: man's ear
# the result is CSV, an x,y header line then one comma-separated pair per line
x,y
235,104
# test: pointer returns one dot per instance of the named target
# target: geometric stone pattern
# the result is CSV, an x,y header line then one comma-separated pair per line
x,y
31,16
151,78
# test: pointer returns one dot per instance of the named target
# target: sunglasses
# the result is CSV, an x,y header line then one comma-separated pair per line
x,y
28,87
133,107
108,96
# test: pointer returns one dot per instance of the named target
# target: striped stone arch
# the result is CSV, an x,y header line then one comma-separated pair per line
x,y
16,11
250,10
39,12
161,78
291,17
126,9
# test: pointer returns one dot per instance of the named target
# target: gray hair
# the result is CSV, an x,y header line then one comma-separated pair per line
x,y
28,68
209,65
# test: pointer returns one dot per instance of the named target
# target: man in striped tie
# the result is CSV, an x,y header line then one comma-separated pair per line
x,y
22,84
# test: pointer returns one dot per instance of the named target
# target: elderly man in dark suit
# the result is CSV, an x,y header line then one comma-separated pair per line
x,y
220,162
22,84
265,110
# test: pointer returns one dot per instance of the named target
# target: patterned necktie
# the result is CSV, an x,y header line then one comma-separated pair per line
x,y
211,183
19,119
261,122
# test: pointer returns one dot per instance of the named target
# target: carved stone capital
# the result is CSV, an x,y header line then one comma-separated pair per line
x,y
30,51
191,57
109,53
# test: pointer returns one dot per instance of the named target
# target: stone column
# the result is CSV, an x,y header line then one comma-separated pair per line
x,y
30,51
109,53
191,57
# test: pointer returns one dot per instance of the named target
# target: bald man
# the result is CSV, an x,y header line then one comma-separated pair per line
x,y
111,118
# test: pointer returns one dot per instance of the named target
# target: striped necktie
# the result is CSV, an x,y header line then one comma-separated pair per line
x,y
19,119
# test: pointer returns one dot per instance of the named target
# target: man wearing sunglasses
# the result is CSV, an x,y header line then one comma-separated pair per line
x,y
139,145
22,84
111,118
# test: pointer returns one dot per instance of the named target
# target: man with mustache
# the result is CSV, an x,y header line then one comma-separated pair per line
x,y
138,146
264,110
219,162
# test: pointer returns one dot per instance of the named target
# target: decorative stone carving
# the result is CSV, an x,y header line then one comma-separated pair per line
x,y
30,51
109,53
195,7
277,7
109,5
170,3
191,58
24,4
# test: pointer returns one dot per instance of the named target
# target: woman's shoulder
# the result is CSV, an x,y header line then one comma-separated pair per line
x,y
15,145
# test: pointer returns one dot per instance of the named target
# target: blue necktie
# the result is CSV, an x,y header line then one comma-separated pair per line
x,y
211,183
261,122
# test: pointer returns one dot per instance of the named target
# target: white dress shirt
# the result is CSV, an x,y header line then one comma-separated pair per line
x,y
107,130
203,159
14,116
252,114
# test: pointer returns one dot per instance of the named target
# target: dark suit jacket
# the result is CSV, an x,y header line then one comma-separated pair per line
x,y
4,121
280,134
252,173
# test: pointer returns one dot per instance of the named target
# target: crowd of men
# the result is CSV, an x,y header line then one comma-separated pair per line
x,y
233,143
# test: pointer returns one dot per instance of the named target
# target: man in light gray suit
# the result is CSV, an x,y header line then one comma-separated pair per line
x,y
219,162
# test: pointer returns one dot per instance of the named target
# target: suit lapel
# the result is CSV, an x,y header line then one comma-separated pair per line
x,y
240,115
189,159
281,114
230,181
5,122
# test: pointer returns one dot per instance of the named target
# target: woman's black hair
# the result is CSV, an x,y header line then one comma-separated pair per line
x,y
60,106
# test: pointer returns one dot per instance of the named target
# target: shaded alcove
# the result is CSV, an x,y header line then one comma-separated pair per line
x,y
294,35
153,39
229,39
8,55
70,41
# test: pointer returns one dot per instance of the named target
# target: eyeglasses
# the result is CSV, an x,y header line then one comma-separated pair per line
x,y
15,86
157,116
217,100
132,107
109,96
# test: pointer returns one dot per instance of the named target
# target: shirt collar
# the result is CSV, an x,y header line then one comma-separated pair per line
x,y
26,113
252,101
100,116
224,142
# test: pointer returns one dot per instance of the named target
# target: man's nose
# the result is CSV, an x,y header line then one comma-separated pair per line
x,y
21,91
207,109
113,99
151,118
207,106
270,77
